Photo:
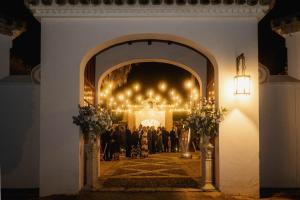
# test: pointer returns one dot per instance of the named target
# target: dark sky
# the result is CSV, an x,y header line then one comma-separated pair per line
x,y
150,74
272,50
27,45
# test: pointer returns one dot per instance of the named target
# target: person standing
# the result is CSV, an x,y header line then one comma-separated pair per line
x,y
172,138
106,145
116,139
153,140
184,140
176,140
128,142
136,143
144,142
149,137
165,137
159,144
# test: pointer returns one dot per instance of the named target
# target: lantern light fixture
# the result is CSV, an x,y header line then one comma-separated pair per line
x,y
241,80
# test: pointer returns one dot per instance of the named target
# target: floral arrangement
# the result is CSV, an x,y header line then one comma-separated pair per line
x,y
205,120
92,120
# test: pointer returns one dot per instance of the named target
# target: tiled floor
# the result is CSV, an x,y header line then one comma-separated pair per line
x,y
158,171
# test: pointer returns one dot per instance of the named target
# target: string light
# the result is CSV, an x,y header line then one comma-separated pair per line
x,y
136,87
150,92
128,93
162,86
121,97
122,101
188,84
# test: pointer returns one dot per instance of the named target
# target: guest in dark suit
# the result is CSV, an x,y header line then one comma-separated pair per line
x,y
149,139
153,140
128,142
165,138
173,140
106,138
115,141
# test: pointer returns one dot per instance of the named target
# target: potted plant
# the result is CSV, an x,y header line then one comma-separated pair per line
x,y
204,122
93,121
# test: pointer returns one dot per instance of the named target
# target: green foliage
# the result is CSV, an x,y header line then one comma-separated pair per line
x,y
92,120
205,120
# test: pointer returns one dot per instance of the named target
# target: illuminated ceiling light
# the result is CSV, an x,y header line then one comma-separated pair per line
x,y
121,97
139,98
188,84
110,85
241,80
172,92
162,86
106,92
194,91
128,92
136,87
157,98
150,93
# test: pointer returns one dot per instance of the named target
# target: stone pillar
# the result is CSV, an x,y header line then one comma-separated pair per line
x,y
293,51
92,152
5,45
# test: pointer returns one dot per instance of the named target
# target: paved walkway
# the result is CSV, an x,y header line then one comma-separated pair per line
x,y
161,176
164,196
158,172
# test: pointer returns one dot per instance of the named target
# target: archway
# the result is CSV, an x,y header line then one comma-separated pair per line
x,y
100,79
130,61
159,162
147,36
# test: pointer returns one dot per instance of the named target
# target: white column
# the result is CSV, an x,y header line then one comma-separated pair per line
x,y
5,45
293,51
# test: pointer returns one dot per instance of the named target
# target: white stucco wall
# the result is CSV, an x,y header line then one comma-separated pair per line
x,y
20,136
66,41
157,50
280,135
5,45
293,51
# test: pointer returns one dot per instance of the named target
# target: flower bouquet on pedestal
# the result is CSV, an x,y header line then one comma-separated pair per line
x,y
204,121
93,121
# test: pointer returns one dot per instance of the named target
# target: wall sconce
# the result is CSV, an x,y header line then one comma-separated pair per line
x,y
241,81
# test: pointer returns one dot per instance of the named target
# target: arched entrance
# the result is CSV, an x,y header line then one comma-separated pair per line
x,y
183,63
148,36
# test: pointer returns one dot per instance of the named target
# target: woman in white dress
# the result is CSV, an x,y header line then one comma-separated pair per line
x,y
144,142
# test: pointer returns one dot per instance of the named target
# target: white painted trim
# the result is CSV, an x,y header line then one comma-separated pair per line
x,y
149,11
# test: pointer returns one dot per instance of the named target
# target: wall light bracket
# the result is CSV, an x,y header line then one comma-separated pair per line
x,y
242,81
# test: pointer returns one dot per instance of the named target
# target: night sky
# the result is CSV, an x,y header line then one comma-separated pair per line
x,y
272,50
27,45
150,74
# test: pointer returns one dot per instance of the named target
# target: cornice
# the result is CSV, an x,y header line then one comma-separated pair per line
x,y
111,11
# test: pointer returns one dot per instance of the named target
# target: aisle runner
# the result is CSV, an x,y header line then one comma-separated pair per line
x,y
160,170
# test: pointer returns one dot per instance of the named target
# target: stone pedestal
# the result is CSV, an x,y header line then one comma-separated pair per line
x,y
207,164
92,153
207,167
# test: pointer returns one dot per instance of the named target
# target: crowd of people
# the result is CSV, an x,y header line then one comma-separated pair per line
x,y
141,142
